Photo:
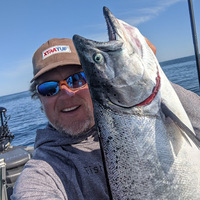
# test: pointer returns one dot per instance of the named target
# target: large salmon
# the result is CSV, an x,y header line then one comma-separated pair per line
x,y
148,141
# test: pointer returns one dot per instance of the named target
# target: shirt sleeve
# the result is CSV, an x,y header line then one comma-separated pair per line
x,y
38,181
191,104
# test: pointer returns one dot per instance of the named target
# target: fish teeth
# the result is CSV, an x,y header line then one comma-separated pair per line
x,y
70,109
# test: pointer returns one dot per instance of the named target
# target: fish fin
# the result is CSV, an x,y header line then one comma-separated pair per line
x,y
168,113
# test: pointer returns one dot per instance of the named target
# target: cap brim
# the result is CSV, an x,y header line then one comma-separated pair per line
x,y
53,66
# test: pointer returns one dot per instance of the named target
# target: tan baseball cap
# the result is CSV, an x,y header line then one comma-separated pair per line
x,y
55,52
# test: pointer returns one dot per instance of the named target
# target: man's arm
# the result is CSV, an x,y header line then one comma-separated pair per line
x,y
191,104
38,181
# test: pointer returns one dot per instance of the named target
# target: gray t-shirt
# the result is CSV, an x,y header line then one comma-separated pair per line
x,y
71,168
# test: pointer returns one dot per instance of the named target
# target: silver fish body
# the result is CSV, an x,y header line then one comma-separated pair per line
x,y
148,141
143,158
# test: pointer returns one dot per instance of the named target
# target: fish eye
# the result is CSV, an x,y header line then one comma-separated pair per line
x,y
98,58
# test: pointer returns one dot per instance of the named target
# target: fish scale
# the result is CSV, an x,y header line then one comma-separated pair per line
x,y
118,156
144,153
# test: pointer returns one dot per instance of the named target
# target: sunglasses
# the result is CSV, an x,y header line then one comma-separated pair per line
x,y
51,88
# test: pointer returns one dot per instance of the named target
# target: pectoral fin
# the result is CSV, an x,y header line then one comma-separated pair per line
x,y
185,130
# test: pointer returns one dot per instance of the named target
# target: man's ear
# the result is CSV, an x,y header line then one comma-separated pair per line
x,y
41,107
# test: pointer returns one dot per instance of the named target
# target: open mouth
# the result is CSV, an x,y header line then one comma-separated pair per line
x,y
113,34
154,92
110,25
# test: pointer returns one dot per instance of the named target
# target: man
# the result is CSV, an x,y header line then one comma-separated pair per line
x,y
67,162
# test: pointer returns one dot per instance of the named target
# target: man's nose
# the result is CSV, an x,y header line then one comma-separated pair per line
x,y
63,86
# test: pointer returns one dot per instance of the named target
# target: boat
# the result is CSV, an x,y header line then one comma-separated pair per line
x,y
12,158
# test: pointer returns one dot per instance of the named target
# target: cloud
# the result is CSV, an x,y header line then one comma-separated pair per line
x,y
158,7
145,14
138,20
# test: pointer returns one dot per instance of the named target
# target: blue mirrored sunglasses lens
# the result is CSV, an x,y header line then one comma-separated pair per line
x,y
52,87
76,80
48,88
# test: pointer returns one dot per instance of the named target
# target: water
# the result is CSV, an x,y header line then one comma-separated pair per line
x,y
182,71
26,116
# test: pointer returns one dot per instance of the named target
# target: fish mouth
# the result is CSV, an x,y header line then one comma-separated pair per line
x,y
110,20
114,35
153,94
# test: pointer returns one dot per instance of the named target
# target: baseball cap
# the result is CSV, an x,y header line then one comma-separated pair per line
x,y
55,52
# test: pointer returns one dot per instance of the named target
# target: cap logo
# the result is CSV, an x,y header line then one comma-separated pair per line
x,y
54,50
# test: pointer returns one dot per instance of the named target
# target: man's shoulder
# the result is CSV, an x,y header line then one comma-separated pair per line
x,y
182,92
191,104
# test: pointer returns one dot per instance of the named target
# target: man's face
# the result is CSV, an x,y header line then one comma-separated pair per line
x,y
69,111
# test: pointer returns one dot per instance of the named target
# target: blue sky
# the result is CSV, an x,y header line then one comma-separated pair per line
x,y
27,24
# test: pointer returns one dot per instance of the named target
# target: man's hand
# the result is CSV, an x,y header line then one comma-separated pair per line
x,y
151,45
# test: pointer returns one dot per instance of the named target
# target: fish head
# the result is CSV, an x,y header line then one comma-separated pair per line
x,y
121,72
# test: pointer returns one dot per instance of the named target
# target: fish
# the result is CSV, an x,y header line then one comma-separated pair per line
x,y
150,148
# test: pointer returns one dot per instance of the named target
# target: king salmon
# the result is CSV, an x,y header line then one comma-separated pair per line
x,y
149,145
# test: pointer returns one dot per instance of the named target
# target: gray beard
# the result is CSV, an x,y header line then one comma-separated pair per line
x,y
76,129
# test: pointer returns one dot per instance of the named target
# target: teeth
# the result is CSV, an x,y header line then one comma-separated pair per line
x,y
70,109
